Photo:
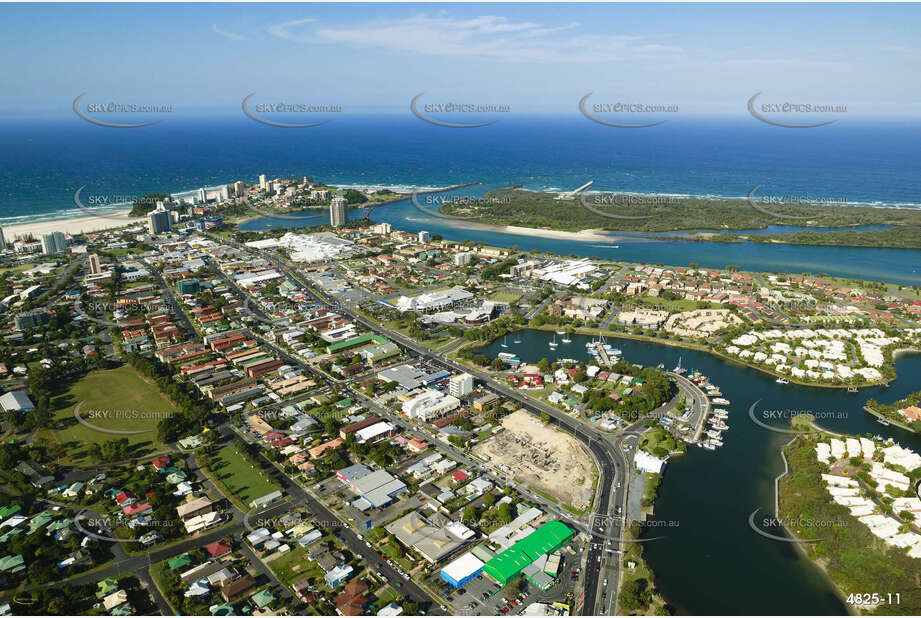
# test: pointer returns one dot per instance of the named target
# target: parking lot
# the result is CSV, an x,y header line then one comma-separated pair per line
x,y
483,597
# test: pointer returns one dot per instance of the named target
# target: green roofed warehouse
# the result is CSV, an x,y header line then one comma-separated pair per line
x,y
508,564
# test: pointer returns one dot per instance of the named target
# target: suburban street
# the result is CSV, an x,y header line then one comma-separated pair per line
x,y
612,486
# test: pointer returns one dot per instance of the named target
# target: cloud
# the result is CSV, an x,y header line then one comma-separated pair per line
x,y
284,30
489,36
224,33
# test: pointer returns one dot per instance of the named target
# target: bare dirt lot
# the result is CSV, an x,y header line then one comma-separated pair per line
x,y
541,457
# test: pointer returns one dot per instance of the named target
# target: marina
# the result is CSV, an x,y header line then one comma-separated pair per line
x,y
603,352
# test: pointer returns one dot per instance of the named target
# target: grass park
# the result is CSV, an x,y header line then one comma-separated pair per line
x,y
114,400
239,477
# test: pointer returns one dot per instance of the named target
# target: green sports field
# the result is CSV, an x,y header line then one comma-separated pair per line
x,y
114,400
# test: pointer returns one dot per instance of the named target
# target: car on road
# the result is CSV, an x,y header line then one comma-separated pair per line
x,y
605,583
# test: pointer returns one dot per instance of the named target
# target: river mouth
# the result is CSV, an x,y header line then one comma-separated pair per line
x,y
712,562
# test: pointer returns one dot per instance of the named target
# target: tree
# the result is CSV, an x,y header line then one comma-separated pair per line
x,y
634,595
470,515
505,513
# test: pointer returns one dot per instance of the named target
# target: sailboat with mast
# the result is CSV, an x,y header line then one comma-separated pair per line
x,y
678,368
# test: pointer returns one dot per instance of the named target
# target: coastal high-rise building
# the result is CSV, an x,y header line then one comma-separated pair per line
x,y
262,183
460,385
424,236
159,221
462,259
95,266
2,240
202,196
383,228
338,210
54,243
239,188
225,193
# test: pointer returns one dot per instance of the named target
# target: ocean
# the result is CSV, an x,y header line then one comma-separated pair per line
x,y
42,162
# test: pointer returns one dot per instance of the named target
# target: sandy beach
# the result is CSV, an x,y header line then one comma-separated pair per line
x,y
581,236
76,225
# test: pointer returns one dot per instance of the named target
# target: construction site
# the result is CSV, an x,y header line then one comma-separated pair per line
x,y
541,457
